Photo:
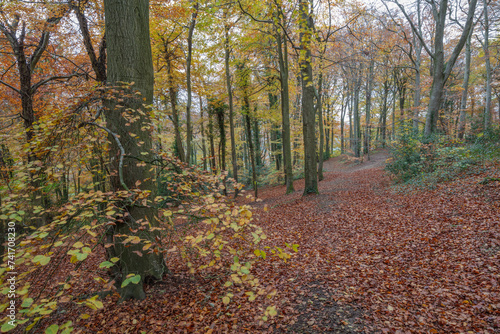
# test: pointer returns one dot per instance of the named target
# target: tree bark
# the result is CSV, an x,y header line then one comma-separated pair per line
x,y
211,138
189,130
179,150
369,88
130,60
308,112
203,142
285,112
321,127
486,49
465,87
356,115
234,162
218,109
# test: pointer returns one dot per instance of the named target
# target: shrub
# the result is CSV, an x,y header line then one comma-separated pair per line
x,y
425,161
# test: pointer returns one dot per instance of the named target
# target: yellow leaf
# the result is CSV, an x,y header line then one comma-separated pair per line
x,y
78,244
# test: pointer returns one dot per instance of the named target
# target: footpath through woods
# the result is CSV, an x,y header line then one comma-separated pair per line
x,y
375,260
370,259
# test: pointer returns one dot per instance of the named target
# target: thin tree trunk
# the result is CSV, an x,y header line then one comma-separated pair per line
x,y
234,162
211,139
179,150
256,134
465,87
321,127
486,49
219,113
189,130
369,88
285,112
357,123
203,143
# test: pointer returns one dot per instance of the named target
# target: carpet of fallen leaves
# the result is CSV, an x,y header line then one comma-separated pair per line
x,y
371,259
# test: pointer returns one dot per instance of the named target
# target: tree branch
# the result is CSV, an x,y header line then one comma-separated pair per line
x,y
11,87
120,146
57,77
412,25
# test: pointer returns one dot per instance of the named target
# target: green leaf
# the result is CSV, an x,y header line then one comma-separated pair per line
x,y
81,256
7,327
226,300
27,302
210,236
78,244
52,329
133,279
106,264
272,311
114,259
42,259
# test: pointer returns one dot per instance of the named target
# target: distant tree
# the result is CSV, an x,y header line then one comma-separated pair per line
x,y
442,67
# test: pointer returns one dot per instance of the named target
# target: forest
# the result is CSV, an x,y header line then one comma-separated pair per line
x,y
274,166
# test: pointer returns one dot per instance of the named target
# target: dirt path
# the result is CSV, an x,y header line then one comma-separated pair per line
x,y
374,260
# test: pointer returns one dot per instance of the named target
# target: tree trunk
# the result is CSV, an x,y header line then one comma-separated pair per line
x,y
486,49
418,57
248,128
328,149
383,113
234,162
308,112
189,130
357,122
342,122
219,113
275,134
442,70
203,143
179,150
369,88
256,136
130,60
465,87
285,112
211,139
321,127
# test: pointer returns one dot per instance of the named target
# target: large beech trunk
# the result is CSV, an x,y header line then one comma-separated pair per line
x,y
130,60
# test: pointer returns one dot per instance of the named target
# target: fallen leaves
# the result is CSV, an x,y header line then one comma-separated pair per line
x,y
369,259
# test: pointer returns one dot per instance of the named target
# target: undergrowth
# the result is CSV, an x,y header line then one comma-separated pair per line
x,y
424,162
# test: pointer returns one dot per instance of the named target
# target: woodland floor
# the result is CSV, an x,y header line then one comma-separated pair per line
x,y
371,259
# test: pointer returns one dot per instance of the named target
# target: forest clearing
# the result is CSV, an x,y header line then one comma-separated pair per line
x,y
277,166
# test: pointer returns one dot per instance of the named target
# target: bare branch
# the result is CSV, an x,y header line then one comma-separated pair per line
x,y
58,77
120,146
11,87
410,21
